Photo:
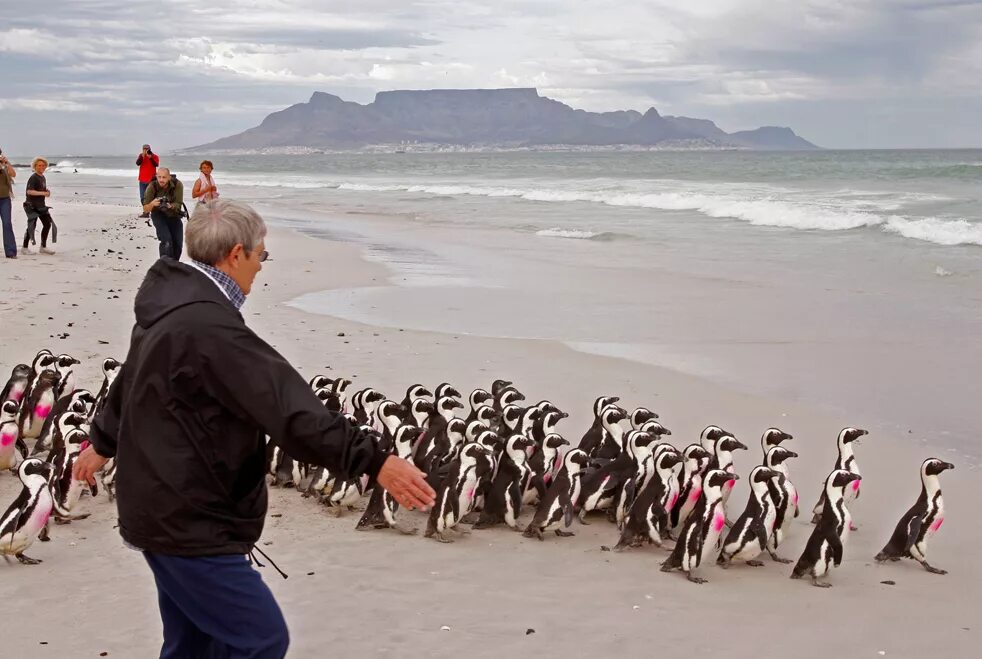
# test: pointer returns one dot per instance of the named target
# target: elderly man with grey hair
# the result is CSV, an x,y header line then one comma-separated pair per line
x,y
187,420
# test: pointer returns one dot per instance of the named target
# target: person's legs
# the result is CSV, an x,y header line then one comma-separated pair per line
x,y
29,231
177,236
143,191
181,637
163,233
225,599
9,239
45,228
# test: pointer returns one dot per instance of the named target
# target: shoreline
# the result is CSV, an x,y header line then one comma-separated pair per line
x,y
491,586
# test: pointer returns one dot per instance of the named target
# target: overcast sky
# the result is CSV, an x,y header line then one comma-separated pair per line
x,y
103,76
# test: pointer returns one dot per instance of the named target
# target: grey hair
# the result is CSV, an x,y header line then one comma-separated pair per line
x,y
218,226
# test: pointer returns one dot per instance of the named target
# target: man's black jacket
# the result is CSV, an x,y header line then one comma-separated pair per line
x,y
186,418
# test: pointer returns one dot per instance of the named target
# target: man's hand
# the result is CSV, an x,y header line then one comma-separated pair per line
x,y
404,482
155,203
89,462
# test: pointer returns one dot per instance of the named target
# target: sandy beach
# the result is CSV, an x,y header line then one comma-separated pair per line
x,y
379,593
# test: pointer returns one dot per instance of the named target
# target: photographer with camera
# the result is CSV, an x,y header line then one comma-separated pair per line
x,y
7,175
164,201
147,161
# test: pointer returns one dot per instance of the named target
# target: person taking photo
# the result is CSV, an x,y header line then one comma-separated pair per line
x,y
164,201
7,176
147,161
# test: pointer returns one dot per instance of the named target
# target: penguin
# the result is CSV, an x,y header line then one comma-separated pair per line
x,y
507,396
444,449
16,385
38,405
446,390
546,425
526,423
64,488
340,389
43,361
699,539
415,392
640,415
656,429
825,546
364,403
29,512
503,502
695,463
81,402
640,451
345,494
390,415
59,429
64,365
783,495
329,399
921,522
107,475
847,461
594,436
709,436
613,441
750,533
647,518
773,437
12,449
110,371
419,413
479,399
544,464
601,484
456,437
498,386
426,454
473,429
320,382
285,471
484,415
382,506
723,459
457,493
555,511
508,420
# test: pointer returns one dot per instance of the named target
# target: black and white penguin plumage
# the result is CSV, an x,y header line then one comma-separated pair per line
x,y
498,386
320,382
12,449
508,420
65,365
846,460
38,405
43,361
382,506
390,415
475,428
698,541
340,389
344,494
827,541
748,538
773,437
505,397
723,459
639,449
65,422
613,440
922,521
545,463
555,511
427,454
503,503
29,512
446,390
484,415
656,429
594,436
415,392
17,384
710,435
363,404
546,424
695,463
81,402
639,416
647,518
285,471
783,495
64,488
111,369
456,496
603,481
477,399
419,413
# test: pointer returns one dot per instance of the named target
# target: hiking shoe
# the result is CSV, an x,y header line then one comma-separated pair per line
x,y
46,250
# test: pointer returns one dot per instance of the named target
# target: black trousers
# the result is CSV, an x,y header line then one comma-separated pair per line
x,y
46,223
170,233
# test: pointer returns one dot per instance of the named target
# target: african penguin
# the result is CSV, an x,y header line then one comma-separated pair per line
x,y
65,490
612,444
846,460
17,384
698,541
545,463
639,447
546,424
44,360
748,538
503,502
695,463
922,521
825,545
594,436
12,449
479,398
111,369
640,415
709,436
29,512
446,390
81,402
382,506
457,493
507,396
773,437
555,511
64,365
647,517
363,404
723,459
38,405
783,495
415,392
498,386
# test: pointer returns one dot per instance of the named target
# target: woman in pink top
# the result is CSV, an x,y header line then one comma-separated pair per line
x,y
204,188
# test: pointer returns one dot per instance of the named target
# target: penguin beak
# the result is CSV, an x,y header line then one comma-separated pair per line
x,y
792,454
948,465
788,436
741,445
667,432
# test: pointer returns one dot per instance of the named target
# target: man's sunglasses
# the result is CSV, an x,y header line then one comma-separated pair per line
x,y
263,255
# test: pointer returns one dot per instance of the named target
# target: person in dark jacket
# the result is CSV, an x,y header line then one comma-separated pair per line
x,y
164,200
186,421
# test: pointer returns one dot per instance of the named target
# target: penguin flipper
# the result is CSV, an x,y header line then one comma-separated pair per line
x,y
913,532
21,446
836,546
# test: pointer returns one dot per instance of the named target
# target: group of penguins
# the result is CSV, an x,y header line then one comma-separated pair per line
x,y
485,468
41,402
505,455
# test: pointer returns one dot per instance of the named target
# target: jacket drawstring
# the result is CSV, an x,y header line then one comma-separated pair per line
x,y
253,559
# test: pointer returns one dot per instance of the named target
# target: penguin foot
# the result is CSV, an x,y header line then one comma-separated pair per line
x,y
821,584
756,563
564,534
444,538
44,536
778,559
932,569
582,518
27,560
723,562
667,567
695,579
533,532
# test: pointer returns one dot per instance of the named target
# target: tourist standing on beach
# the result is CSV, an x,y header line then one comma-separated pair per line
x,y
7,176
147,161
205,189
37,208
186,420
164,201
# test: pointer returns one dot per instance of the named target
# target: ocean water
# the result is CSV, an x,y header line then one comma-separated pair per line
x,y
851,280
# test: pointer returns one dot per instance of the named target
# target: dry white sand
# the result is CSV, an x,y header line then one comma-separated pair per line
x,y
379,593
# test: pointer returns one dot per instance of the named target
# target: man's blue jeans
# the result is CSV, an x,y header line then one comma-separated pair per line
x,y
9,239
143,191
216,606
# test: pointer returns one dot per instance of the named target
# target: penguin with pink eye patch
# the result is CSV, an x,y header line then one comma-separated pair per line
x,y
458,491
16,385
12,448
698,542
36,408
909,539
695,463
846,461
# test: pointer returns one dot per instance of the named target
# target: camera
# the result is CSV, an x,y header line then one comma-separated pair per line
x,y
164,203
